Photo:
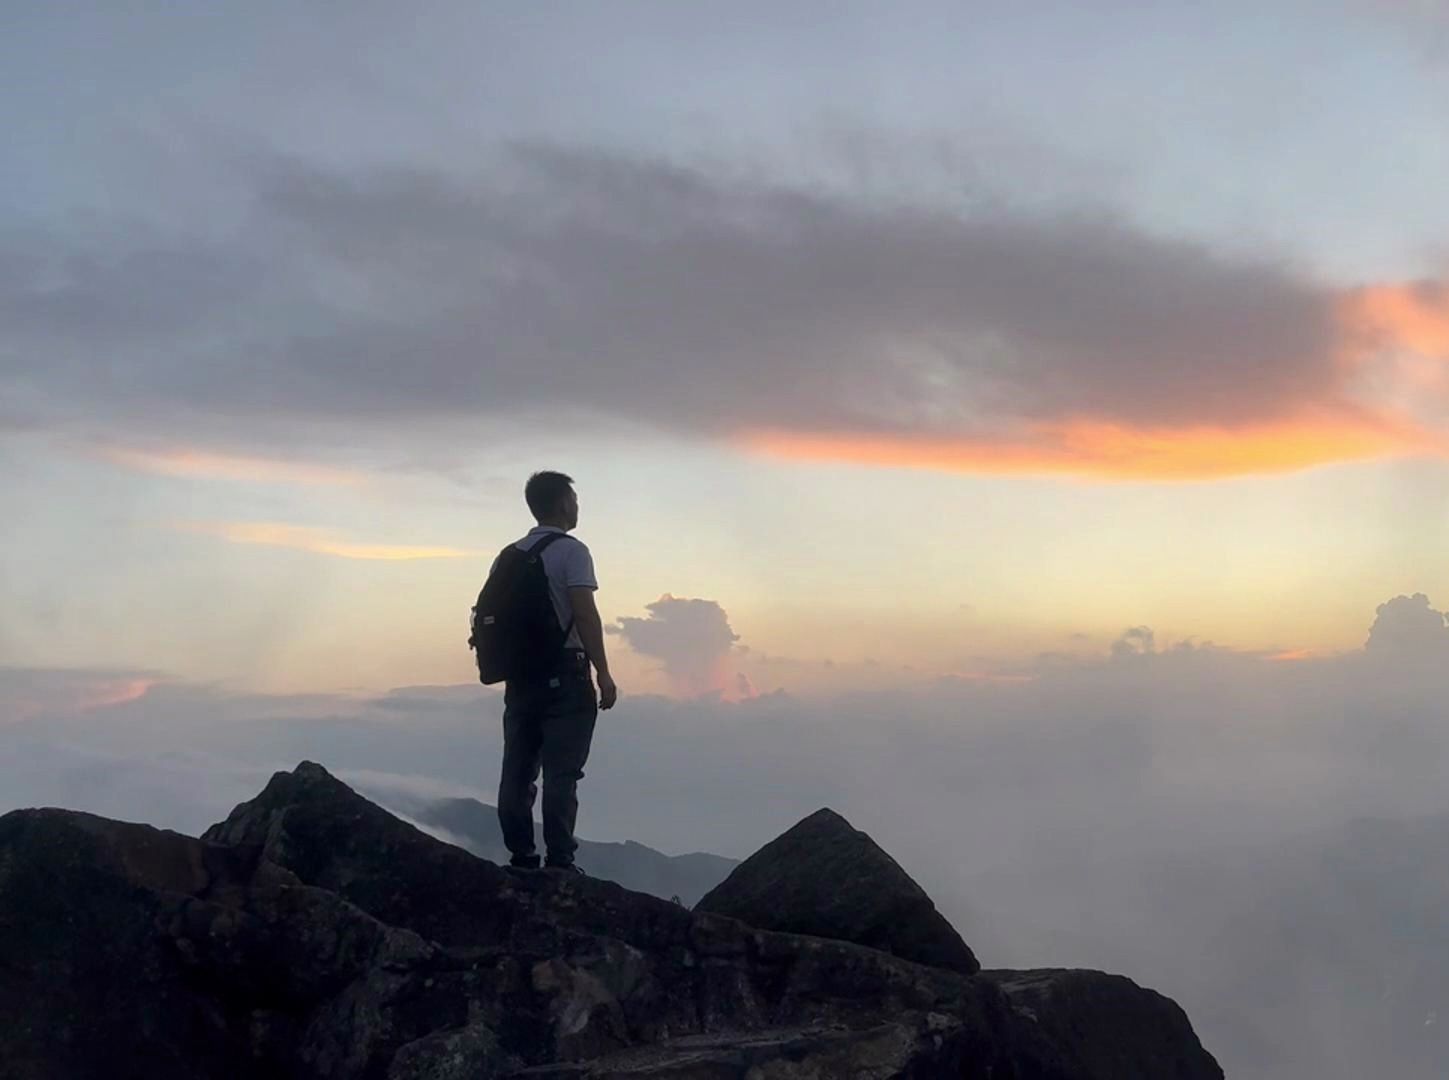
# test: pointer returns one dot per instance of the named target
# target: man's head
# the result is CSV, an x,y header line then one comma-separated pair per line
x,y
550,495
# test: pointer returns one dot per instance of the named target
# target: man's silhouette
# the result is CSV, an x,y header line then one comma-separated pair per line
x,y
549,722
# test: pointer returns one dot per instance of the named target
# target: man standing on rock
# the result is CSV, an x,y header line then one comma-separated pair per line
x,y
549,701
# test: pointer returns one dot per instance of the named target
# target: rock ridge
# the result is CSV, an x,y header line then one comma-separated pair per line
x,y
312,934
827,878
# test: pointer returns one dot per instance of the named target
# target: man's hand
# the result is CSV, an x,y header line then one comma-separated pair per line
x,y
591,633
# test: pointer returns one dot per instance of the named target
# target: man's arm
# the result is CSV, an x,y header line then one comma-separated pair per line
x,y
591,633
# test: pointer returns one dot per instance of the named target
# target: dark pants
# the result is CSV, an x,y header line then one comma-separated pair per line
x,y
549,724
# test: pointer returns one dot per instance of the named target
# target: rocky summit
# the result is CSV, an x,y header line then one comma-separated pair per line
x,y
826,878
313,934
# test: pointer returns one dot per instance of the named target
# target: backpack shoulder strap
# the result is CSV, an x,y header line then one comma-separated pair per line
x,y
536,551
548,538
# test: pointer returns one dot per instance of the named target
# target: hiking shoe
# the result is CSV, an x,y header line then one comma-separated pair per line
x,y
524,862
571,869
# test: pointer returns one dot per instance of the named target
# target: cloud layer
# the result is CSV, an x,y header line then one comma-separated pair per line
x,y
789,319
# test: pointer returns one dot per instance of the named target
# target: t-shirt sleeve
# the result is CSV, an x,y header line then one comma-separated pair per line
x,y
578,567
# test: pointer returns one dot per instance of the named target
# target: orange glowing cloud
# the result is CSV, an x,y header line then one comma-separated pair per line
x,y
1093,449
1412,317
118,692
1391,359
202,464
1398,341
1290,655
84,694
317,541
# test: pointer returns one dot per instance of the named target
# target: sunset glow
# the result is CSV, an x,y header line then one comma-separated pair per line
x,y
1413,317
317,541
1291,656
1098,450
203,464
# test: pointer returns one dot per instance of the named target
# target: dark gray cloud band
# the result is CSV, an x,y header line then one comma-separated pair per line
x,y
642,290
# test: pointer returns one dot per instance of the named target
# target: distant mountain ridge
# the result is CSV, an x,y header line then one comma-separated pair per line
x,y
630,864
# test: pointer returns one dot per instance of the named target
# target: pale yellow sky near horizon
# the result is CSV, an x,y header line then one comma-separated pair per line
x,y
303,584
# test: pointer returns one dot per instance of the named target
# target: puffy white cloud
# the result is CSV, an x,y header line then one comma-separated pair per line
x,y
1407,625
1135,641
691,638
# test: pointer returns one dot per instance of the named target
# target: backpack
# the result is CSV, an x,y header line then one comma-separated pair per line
x,y
516,635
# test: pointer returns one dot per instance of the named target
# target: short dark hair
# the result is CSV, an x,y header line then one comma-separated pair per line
x,y
545,490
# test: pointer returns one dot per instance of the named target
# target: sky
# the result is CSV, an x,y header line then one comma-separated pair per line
x,y
1024,428
944,337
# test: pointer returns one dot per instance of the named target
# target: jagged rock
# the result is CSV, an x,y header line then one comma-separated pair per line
x,y
460,1054
888,1050
86,976
825,878
1115,1027
594,946
312,934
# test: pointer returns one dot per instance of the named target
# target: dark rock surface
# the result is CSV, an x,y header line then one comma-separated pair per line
x,y
1115,1027
312,934
826,878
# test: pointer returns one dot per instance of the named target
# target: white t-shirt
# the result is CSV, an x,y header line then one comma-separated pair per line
x,y
568,565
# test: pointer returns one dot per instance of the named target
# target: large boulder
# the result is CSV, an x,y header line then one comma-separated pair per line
x,y
312,934
831,880
1115,1027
